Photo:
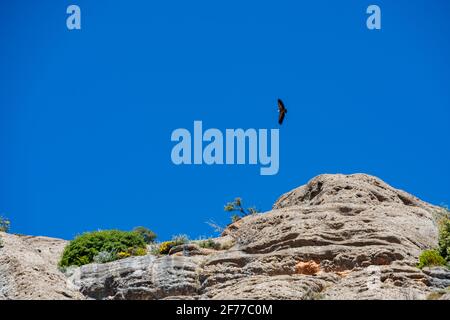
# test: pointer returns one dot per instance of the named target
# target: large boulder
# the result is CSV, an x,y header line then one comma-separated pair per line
x,y
138,278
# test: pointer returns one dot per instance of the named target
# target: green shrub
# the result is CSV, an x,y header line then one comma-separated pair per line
x,y
236,206
430,258
148,235
85,247
441,255
444,239
5,224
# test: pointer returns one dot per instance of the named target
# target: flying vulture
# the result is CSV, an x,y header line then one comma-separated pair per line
x,y
281,111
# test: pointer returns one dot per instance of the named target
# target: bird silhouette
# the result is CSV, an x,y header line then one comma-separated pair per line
x,y
281,111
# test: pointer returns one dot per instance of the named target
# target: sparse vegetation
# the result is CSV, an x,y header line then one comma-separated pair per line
x,y
148,235
217,228
209,244
236,206
235,217
177,240
436,295
312,295
444,238
442,213
5,224
85,247
153,248
441,255
137,251
430,258
227,245
180,239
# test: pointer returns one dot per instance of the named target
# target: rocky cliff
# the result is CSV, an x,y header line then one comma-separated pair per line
x,y
28,268
337,237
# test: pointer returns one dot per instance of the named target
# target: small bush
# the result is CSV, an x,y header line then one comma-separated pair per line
x,y
123,255
180,239
5,224
137,251
165,247
148,235
85,247
430,258
444,239
236,206
209,244
104,257
177,240
154,248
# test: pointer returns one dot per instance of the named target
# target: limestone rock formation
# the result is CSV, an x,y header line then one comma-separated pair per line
x,y
28,268
337,237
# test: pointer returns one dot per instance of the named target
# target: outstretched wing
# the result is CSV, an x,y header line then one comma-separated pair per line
x,y
281,107
281,117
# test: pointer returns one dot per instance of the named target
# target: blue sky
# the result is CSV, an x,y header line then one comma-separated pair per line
x,y
86,116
